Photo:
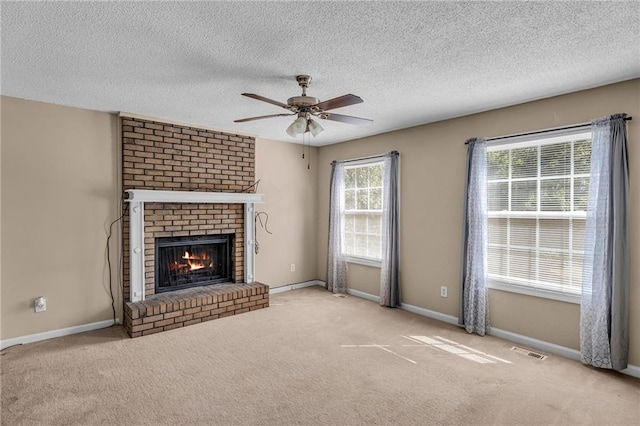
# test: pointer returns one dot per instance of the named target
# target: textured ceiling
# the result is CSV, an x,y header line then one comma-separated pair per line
x,y
411,62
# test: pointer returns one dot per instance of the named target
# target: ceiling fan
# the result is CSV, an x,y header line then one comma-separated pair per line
x,y
306,107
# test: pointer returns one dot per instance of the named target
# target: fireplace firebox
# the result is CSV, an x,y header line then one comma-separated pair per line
x,y
183,262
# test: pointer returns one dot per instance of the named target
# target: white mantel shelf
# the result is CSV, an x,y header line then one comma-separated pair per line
x,y
151,196
137,198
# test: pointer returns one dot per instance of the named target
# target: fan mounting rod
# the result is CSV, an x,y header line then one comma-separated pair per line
x,y
303,81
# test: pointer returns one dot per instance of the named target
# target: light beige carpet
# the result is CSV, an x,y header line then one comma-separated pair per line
x,y
310,358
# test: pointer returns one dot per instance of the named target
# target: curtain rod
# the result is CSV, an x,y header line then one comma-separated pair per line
x,y
574,126
364,158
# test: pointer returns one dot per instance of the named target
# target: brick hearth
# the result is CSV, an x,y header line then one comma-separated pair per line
x,y
166,311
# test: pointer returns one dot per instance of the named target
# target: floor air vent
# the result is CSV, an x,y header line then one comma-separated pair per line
x,y
527,352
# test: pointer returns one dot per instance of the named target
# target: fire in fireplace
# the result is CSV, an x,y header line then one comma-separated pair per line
x,y
183,262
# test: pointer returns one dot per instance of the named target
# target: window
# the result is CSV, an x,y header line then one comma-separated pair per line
x,y
537,201
363,210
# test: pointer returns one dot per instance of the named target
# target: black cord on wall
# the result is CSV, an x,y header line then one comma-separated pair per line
x,y
251,186
258,218
113,300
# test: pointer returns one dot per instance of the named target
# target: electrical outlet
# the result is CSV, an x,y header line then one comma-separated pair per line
x,y
444,291
40,304
293,267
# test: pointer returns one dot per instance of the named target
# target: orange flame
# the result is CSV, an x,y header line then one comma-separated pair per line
x,y
196,262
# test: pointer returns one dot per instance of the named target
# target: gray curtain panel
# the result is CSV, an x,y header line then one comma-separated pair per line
x,y
474,303
390,265
604,313
336,260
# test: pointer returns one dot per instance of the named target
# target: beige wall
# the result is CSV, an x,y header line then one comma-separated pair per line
x,y
291,203
59,194
364,278
432,174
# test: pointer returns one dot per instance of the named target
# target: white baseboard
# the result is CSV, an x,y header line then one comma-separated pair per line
x,y
530,342
363,295
449,319
30,338
632,370
295,286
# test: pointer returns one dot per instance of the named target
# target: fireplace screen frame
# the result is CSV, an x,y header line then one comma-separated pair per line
x,y
225,240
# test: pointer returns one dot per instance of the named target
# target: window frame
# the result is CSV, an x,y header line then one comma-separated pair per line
x,y
354,164
553,137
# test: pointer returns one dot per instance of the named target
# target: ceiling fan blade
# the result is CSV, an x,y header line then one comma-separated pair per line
x,y
263,99
345,118
339,102
242,120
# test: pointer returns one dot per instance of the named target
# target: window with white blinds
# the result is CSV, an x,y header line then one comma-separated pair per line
x,y
537,201
363,209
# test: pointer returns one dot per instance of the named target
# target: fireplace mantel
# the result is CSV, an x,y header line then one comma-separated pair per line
x,y
151,196
137,198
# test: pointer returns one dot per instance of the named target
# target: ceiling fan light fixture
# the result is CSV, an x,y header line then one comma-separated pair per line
x,y
314,128
290,130
298,127
300,124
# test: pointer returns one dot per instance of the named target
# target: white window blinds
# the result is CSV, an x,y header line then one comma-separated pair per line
x,y
363,209
537,200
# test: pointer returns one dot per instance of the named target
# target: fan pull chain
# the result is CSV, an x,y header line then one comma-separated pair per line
x,y
308,154
307,141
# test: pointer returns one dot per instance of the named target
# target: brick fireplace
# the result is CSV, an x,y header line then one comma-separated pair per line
x,y
185,182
